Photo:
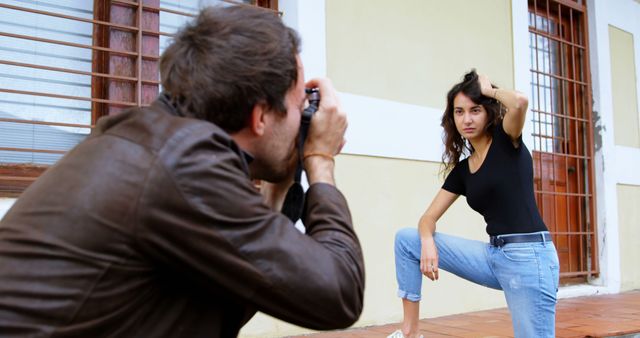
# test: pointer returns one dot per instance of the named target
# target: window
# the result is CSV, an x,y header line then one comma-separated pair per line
x,y
562,131
44,110
65,64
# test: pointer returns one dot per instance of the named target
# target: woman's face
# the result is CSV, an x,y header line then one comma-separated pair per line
x,y
470,118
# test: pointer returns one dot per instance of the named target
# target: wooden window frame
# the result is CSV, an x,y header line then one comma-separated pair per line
x,y
115,82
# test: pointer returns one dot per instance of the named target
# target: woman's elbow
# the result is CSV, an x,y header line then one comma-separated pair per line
x,y
522,102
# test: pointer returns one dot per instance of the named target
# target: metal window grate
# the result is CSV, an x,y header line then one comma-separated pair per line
x,y
62,66
562,132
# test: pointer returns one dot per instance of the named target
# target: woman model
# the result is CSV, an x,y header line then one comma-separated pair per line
x,y
497,180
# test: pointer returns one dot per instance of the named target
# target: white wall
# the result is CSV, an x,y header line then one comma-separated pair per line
x,y
5,204
612,162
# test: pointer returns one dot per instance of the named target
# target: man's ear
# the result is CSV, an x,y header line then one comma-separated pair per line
x,y
257,118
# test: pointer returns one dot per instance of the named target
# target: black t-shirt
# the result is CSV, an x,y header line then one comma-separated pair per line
x,y
501,190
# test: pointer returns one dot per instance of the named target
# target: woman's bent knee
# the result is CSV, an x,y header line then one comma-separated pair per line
x,y
407,236
406,240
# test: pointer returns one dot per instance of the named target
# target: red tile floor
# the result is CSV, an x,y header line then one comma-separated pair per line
x,y
593,316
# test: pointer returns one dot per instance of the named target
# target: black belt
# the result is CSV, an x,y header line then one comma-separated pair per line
x,y
524,238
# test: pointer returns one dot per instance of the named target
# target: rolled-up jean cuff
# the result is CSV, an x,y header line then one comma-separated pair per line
x,y
412,297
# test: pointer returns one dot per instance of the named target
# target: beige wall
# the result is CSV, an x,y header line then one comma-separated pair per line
x,y
386,195
624,90
409,51
413,51
629,221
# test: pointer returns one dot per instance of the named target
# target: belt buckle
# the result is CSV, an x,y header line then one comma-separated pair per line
x,y
498,241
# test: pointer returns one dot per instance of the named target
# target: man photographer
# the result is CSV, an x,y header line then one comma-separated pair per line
x,y
152,227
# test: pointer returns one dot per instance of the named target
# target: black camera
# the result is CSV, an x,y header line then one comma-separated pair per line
x,y
313,95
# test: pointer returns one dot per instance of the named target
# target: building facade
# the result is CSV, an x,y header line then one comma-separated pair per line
x,y
394,61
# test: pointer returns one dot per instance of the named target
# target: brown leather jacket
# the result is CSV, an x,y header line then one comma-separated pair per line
x,y
151,227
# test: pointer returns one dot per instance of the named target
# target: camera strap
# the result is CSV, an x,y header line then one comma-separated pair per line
x,y
294,200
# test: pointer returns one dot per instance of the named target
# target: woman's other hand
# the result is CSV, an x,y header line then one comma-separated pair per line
x,y
429,259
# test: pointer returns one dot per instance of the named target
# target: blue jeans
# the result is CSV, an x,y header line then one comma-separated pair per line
x,y
526,272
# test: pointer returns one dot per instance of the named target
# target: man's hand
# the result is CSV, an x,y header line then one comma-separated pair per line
x,y
326,134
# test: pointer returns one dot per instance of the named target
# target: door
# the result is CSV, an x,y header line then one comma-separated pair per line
x,y
562,131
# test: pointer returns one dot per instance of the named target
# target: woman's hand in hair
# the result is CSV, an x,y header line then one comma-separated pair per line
x,y
485,86
516,104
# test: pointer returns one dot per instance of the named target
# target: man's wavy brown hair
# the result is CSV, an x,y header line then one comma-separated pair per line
x,y
227,60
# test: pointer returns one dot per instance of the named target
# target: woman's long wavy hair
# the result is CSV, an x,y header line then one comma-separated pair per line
x,y
455,145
